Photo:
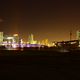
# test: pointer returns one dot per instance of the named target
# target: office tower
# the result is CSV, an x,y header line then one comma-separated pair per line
x,y
31,39
16,38
1,38
78,37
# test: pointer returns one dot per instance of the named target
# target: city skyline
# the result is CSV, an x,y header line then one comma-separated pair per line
x,y
51,20
31,37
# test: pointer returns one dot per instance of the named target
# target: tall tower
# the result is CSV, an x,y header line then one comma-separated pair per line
x,y
31,39
16,38
78,35
1,38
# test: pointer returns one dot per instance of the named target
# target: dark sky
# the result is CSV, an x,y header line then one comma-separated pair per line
x,y
44,18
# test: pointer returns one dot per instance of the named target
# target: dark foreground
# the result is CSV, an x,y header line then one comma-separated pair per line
x,y
39,65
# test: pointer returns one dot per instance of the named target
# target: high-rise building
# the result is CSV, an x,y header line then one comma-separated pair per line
x,y
78,37
31,39
16,38
1,37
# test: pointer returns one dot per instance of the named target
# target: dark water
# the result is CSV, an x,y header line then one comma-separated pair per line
x,y
39,65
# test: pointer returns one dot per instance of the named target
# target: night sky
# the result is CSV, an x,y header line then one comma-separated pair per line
x,y
43,18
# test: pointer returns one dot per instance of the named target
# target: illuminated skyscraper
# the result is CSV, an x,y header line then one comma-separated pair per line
x,y
31,39
16,38
78,35
1,37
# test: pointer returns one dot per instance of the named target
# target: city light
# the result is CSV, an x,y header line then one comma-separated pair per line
x,y
15,41
15,35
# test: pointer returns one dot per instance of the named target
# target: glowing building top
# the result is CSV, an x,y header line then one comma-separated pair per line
x,y
31,39
1,37
15,35
78,35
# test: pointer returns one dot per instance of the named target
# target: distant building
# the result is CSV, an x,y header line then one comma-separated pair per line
x,y
1,37
68,44
78,35
16,38
31,39
11,40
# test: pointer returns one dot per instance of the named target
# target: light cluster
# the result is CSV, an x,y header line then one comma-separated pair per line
x,y
14,41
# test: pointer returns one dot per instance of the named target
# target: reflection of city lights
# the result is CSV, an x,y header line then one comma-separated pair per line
x,y
5,43
22,45
14,45
9,42
28,45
